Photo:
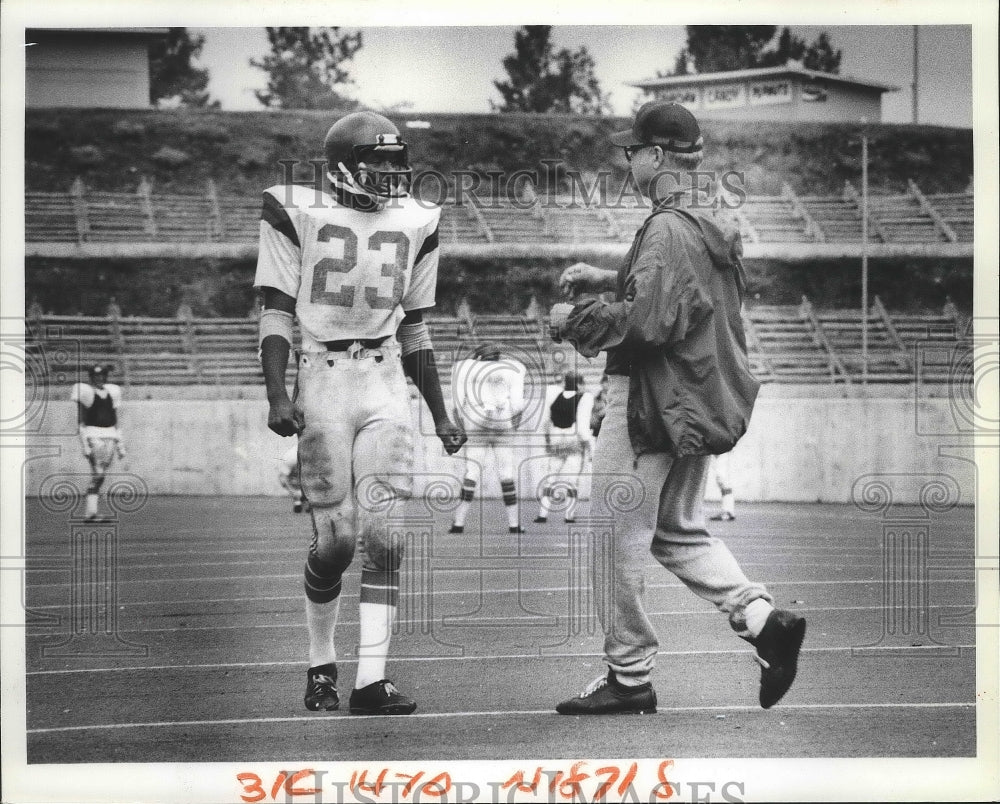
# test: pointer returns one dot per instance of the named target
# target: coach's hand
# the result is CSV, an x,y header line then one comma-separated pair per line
x,y
284,418
582,278
452,436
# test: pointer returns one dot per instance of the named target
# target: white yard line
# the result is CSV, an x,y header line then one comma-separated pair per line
x,y
495,657
507,713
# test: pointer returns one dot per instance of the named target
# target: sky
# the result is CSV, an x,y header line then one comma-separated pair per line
x,y
452,69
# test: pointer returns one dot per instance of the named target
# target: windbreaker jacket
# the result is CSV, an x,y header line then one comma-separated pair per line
x,y
677,317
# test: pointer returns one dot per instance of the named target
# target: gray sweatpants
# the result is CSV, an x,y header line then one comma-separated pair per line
x,y
652,504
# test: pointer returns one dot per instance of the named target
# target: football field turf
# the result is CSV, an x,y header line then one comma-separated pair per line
x,y
494,630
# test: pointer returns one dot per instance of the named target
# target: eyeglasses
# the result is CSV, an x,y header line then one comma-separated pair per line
x,y
632,150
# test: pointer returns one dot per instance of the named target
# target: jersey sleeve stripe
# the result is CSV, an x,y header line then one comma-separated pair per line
x,y
430,243
276,216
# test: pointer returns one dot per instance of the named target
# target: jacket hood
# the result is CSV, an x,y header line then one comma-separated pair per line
x,y
719,230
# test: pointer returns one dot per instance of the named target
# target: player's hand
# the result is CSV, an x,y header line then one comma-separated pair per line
x,y
580,278
284,418
452,436
557,317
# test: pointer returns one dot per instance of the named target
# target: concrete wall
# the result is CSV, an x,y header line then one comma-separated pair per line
x,y
92,69
806,450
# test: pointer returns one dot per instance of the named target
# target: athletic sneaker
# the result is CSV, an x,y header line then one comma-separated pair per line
x,y
540,520
607,696
381,698
321,688
297,508
777,654
724,516
456,529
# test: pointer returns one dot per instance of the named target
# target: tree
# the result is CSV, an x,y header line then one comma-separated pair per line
x,y
305,68
720,48
541,80
172,76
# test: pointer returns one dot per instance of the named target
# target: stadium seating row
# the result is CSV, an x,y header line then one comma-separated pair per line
x,y
86,216
788,344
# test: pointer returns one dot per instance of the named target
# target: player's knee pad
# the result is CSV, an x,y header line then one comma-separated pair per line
x,y
509,491
468,489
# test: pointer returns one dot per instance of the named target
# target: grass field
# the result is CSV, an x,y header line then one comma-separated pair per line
x,y
494,630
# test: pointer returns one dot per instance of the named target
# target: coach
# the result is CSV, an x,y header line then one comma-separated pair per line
x,y
680,390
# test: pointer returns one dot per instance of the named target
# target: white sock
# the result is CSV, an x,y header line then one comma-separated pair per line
x,y
460,513
729,503
571,508
376,621
512,515
756,613
321,620
91,505
544,505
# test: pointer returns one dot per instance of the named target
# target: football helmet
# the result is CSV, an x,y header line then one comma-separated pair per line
x,y
365,149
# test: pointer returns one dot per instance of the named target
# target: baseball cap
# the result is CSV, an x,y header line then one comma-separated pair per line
x,y
662,123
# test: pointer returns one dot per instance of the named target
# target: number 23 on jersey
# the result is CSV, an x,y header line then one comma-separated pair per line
x,y
378,296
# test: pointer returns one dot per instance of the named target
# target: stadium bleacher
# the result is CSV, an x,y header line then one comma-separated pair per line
x,y
787,343
88,216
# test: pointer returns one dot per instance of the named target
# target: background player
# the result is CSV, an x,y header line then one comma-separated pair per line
x,y
568,441
489,401
722,468
288,476
98,410
356,265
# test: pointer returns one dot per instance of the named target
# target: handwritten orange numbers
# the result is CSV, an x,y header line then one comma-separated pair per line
x,y
285,784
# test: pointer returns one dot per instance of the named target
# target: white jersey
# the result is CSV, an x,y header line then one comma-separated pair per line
x,y
353,274
489,393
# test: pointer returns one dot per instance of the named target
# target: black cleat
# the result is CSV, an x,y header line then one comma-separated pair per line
x,y
297,508
540,520
777,654
381,698
321,688
570,520
606,696
724,516
456,529
516,529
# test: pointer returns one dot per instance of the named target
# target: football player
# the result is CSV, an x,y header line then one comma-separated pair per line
x,y
98,408
722,466
356,263
568,441
489,401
